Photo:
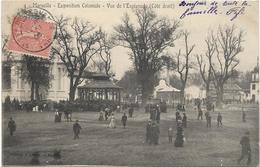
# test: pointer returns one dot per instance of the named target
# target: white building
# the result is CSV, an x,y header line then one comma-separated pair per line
x,y
167,93
254,85
15,87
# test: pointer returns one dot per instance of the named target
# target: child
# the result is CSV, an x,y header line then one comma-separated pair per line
x,y
219,119
170,134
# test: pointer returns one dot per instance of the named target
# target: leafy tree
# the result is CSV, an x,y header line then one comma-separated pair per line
x,y
36,71
146,41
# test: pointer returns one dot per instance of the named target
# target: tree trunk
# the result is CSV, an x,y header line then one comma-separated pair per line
x,y
32,90
147,83
72,93
72,89
182,97
220,93
207,91
37,95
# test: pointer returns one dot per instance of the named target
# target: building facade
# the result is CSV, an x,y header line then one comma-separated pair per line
x,y
14,86
254,85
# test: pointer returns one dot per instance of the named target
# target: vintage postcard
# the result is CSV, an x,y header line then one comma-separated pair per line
x,y
130,83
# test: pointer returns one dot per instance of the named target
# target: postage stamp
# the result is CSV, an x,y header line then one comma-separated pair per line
x,y
31,36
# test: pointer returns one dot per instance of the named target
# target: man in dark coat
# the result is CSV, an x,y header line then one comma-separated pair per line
x,y
124,119
179,141
148,132
184,120
219,119
158,114
106,113
246,150
200,113
177,115
153,113
131,111
76,129
11,126
155,132
208,119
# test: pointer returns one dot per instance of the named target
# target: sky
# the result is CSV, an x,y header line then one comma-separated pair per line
x,y
197,25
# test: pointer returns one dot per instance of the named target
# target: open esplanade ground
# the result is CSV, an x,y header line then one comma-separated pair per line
x,y
100,145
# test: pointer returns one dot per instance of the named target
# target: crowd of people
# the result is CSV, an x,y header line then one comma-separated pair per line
x,y
152,127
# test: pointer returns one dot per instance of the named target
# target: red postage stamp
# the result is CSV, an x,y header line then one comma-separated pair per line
x,y
31,36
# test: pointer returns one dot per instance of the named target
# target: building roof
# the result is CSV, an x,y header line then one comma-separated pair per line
x,y
164,87
93,75
228,86
100,84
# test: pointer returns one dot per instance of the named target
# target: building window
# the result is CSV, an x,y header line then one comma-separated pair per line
x,y
253,87
6,77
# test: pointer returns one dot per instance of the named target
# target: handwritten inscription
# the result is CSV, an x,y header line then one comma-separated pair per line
x,y
232,9
198,8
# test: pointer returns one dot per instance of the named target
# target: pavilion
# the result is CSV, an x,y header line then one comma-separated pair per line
x,y
99,87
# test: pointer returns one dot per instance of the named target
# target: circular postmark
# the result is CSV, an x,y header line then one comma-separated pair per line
x,y
33,29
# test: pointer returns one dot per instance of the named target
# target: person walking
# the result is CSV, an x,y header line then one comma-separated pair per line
x,y
179,141
148,132
219,119
158,115
184,120
101,117
155,133
76,129
246,150
106,113
112,123
131,111
11,126
170,134
208,119
200,113
123,120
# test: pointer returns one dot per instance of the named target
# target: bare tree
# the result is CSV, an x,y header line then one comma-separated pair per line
x,y
184,67
105,54
76,44
204,65
227,43
6,53
146,40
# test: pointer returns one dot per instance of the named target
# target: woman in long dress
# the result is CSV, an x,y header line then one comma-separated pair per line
x,y
112,123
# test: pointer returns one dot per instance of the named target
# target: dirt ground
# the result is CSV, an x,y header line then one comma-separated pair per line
x,y
99,145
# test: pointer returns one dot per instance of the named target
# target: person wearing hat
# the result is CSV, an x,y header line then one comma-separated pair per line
x,y
56,158
155,131
219,119
35,158
184,120
76,129
124,119
148,132
11,126
246,150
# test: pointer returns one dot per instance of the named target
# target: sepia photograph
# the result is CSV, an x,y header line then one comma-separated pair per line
x,y
130,83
